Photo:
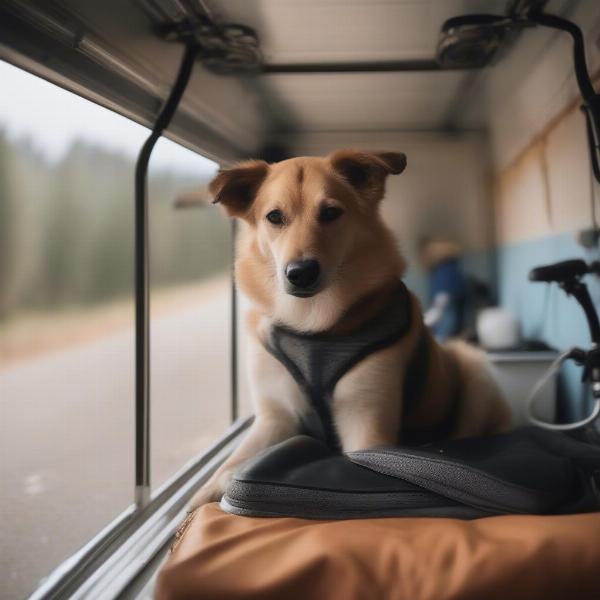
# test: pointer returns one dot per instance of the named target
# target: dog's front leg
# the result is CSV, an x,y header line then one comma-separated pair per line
x,y
368,402
266,430
277,401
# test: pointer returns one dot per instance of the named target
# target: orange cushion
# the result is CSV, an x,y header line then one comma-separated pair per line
x,y
509,557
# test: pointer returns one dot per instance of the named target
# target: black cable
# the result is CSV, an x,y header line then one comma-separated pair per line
x,y
141,263
581,71
580,292
593,199
591,99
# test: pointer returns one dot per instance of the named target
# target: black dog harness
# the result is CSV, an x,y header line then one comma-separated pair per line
x,y
318,361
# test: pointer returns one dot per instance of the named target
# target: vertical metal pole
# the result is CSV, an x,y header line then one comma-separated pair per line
x,y
234,329
142,283
142,346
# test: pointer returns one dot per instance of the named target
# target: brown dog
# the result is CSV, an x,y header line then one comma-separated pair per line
x,y
314,256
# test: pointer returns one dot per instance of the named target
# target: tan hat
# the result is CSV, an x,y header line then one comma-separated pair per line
x,y
433,252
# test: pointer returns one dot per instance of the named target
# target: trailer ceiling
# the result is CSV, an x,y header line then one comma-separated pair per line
x,y
109,52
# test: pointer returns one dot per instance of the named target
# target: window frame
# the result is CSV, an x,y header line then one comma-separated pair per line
x,y
109,564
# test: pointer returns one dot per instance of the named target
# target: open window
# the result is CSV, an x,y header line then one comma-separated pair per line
x,y
67,343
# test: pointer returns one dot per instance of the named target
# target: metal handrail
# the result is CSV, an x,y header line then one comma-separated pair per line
x,y
234,390
142,282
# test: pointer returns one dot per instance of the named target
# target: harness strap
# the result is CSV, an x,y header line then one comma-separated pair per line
x,y
318,361
415,377
321,426
443,430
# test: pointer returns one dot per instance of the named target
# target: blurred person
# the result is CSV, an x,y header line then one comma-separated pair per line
x,y
447,287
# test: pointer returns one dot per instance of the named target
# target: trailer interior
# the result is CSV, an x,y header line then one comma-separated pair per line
x,y
122,367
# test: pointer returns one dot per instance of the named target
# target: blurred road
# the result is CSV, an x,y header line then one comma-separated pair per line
x,y
67,432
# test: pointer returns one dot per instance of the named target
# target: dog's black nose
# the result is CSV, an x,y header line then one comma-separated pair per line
x,y
303,274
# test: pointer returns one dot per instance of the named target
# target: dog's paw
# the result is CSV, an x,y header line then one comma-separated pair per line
x,y
212,491
203,496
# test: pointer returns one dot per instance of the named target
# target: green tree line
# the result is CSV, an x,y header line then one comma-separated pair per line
x,y
66,228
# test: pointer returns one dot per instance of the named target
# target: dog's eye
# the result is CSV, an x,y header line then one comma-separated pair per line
x,y
276,217
330,213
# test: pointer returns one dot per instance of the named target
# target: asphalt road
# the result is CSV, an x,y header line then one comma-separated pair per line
x,y
66,433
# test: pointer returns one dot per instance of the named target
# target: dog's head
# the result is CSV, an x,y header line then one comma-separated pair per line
x,y
309,216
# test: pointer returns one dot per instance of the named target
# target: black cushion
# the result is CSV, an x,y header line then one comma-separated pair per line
x,y
529,471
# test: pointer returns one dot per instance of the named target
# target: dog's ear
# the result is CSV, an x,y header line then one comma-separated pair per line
x,y
236,188
366,172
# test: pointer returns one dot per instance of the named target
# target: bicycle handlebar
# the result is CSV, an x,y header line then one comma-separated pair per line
x,y
568,274
560,272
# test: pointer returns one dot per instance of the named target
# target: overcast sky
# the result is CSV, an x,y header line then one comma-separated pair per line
x,y
52,118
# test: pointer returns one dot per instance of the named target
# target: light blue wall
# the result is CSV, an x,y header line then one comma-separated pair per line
x,y
479,264
544,310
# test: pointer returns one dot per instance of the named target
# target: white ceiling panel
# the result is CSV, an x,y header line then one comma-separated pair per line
x,y
348,30
313,31
371,101
252,108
